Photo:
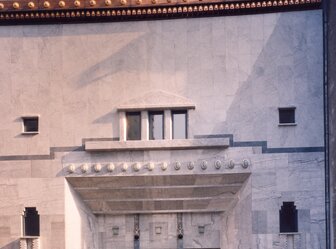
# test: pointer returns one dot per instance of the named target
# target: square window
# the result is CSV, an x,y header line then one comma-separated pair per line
x,y
133,120
155,125
30,124
287,115
179,119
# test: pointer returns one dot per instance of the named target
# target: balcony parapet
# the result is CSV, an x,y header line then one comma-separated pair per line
x,y
175,144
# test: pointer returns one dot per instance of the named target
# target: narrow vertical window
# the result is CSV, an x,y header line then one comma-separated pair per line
x,y
288,218
31,222
287,115
155,125
179,119
133,120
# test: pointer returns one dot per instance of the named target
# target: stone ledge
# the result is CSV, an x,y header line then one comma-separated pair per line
x,y
177,144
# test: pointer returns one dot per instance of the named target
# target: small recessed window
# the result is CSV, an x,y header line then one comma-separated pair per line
x,y
155,125
30,125
133,120
288,218
179,120
287,115
31,222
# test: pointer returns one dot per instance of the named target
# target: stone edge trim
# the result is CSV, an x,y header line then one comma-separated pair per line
x,y
170,144
263,145
41,16
232,143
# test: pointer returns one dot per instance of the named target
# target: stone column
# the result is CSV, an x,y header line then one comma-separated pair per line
x,y
144,126
168,132
122,126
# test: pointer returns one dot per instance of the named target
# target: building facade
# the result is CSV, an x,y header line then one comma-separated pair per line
x,y
171,133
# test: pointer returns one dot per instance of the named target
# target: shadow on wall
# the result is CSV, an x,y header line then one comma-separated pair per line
x,y
140,53
281,68
12,245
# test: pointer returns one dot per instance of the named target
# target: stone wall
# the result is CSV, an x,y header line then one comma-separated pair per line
x,y
236,70
81,226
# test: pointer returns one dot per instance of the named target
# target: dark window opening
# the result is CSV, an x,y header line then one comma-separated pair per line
x,y
288,218
287,115
180,120
155,125
133,120
31,222
30,124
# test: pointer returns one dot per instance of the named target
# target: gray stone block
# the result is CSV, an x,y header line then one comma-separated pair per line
x,y
259,222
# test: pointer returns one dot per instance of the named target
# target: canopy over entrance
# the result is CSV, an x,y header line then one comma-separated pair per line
x,y
158,193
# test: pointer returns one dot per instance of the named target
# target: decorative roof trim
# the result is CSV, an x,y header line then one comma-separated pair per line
x,y
157,100
13,15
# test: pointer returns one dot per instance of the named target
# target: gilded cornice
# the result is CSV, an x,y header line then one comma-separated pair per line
x,y
77,11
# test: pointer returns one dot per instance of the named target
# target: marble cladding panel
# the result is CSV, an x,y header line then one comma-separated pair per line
x,y
116,231
298,178
202,230
222,64
236,225
46,194
81,226
160,231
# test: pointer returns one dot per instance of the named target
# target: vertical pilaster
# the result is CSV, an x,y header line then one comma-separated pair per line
x,y
168,128
144,126
122,126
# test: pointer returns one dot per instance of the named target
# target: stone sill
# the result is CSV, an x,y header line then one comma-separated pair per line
x,y
174,144
30,237
30,133
288,124
291,233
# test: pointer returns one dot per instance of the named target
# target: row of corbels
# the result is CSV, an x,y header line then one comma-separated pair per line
x,y
137,166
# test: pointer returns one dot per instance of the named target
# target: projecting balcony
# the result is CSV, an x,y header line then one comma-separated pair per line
x,y
159,194
158,176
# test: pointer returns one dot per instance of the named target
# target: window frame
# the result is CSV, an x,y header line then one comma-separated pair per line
x,y
26,118
291,108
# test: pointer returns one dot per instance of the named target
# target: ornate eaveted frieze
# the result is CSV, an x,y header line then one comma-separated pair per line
x,y
39,11
144,167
